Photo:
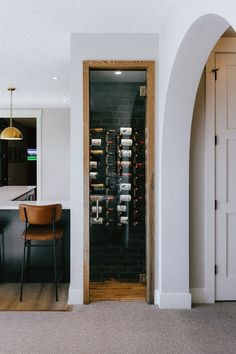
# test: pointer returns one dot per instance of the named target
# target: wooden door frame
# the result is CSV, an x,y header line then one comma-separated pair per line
x,y
148,66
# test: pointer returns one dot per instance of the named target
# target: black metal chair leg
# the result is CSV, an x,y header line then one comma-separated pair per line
x,y
22,273
28,259
55,269
63,259
1,260
3,256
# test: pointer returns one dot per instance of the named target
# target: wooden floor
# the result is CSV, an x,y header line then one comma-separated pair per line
x,y
36,297
117,291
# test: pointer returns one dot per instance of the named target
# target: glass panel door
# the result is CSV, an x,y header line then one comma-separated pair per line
x,y
117,103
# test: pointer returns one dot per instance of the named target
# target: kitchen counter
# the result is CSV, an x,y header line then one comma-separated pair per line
x,y
10,193
13,205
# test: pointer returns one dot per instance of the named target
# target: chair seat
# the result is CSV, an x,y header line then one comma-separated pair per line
x,y
42,233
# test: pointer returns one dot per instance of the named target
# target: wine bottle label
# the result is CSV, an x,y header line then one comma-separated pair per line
x,y
109,197
123,174
121,208
125,153
96,130
93,175
125,198
96,142
125,186
96,152
126,131
97,186
126,142
93,164
125,163
94,198
94,209
124,219
96,220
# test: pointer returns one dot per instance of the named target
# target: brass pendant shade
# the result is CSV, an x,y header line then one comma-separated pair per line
x,y
11,133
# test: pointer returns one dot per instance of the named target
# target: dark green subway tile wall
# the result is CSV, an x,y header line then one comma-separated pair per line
x,y
114,254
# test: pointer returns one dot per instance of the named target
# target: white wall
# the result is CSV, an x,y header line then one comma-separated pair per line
x,y
55,154
95,47
197,191
186,39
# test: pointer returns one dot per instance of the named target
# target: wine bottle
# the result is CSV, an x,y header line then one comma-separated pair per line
x,y
125,153
138,165
96,220
96,130
94,209
121,208
126,142
124,220
93,164
125,186
94,198
96,152
97,186
125,163
96,142
125,131
93,175
125,198
124,174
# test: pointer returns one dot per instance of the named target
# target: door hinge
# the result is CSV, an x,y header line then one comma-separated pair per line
x,y
216,139
216,204
143,91
215,72
216,269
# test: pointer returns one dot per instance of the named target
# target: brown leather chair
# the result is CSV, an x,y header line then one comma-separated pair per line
x,y
41,224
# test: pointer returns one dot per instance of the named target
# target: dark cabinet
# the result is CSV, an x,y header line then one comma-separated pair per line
x,y
3,158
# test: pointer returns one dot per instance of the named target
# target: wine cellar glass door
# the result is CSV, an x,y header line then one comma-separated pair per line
x,y
118,264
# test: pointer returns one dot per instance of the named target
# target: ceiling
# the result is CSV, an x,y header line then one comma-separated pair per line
x,y
35,41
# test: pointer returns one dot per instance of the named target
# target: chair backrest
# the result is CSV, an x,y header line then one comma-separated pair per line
x,y
40,214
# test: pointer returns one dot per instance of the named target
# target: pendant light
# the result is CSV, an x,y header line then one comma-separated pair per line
x,y
11,133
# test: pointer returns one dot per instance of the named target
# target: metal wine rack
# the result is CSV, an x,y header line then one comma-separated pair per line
x,y
117,176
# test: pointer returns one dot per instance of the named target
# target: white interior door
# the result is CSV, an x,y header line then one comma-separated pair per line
x,y
226,177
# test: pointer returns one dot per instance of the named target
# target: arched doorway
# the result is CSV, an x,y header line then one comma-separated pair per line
x,y
174,172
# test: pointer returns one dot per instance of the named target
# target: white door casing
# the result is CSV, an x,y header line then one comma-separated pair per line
x,y
225,177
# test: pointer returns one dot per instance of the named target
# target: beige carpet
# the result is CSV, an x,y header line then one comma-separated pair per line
x,y
36,297
121,328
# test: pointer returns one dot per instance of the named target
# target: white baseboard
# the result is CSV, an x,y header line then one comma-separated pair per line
x,y
156,297
173,300
199,296
75,296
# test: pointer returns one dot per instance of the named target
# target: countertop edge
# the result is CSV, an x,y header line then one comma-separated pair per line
x,y
14,205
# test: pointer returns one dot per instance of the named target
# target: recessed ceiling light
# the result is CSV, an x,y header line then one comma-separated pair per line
x,y
118,72
55,77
